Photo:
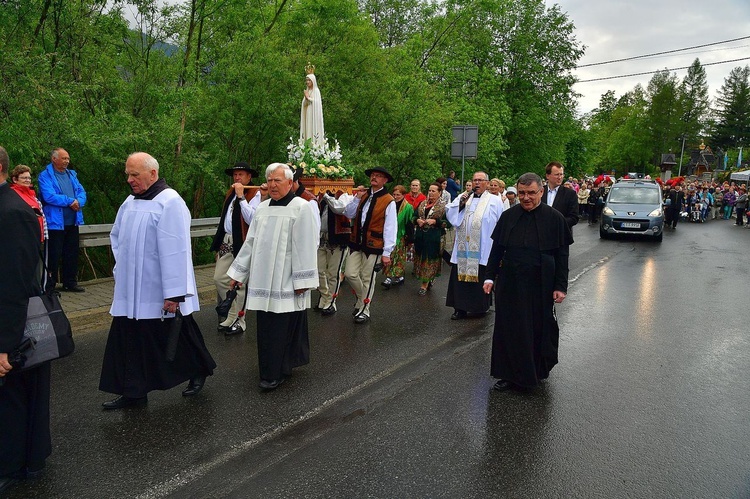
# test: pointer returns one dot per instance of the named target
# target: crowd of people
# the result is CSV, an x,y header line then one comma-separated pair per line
x,y
275,244
273,248
702,200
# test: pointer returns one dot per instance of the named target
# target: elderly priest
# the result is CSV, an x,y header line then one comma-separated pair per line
x,y
149,347
278,263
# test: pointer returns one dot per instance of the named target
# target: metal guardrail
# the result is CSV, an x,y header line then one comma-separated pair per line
x,y
91,236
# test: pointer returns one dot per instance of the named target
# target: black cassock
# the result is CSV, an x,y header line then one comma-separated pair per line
x,y
135,358
529,259
283,343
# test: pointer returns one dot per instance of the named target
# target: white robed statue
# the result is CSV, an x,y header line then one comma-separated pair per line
x,y
311,114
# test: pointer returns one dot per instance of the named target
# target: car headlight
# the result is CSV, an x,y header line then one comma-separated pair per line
x,y
656,213
608,211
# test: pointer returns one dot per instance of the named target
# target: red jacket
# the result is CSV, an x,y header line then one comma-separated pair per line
x,y
28,195
414,201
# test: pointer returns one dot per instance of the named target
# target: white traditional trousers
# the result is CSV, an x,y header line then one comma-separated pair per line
x,y
330,263
361,277
222,280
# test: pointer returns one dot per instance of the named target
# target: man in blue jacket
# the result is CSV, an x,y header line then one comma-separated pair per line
x,y
453,188
63,198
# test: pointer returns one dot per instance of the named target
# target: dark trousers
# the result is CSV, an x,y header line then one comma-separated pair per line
x,y
740,213
63,244
283,343
24,421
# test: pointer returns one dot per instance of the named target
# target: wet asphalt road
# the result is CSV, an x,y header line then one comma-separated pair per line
x,y
650,398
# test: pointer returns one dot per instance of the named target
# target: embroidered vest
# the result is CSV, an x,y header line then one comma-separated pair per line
x,y
339,227
238,233
368,237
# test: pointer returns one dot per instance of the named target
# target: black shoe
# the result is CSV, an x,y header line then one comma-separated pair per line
x,y
361,318
6,483
74,289
387,283
458,315
422,291
194,386
222,329
503,386
328,311
122,402
233,329
270,385
398,281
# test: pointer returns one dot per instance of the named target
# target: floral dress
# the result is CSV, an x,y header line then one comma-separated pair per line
x,y
398,256
427,248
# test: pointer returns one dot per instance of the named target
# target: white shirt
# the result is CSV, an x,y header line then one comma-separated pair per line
x,y
246,207
551,193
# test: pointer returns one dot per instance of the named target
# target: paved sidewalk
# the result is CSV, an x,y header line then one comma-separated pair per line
x,y
90,310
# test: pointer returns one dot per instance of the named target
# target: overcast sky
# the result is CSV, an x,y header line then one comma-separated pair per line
x,y
615,30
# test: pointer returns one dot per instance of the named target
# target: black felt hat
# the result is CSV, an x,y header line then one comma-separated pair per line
x,y
298,173
241,166
379,169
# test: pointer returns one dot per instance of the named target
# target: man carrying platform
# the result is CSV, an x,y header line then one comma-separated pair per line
x,y
236,215
373,237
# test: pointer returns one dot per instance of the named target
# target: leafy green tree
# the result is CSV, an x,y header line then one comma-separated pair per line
x,y
733,113
663,113
694,102
506,67
625,137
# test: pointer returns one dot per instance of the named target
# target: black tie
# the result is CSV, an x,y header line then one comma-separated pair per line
x,y
236,221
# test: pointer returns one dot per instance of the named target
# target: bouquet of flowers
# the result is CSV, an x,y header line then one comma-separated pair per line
x,y
317,160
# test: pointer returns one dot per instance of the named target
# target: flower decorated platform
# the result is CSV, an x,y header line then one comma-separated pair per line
x,y
321,166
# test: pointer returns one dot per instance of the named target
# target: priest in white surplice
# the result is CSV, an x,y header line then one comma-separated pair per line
x,y
278,261
154,279
474,214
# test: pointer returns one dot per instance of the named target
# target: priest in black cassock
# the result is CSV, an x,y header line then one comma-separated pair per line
x,y
24,396
529,266
154,279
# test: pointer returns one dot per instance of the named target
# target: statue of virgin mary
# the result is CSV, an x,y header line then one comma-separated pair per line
x,y
311,115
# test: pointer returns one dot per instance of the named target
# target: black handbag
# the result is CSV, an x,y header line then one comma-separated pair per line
x,y
222,309
47,335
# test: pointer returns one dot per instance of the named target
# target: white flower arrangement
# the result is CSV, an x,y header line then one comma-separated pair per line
x,y
318,160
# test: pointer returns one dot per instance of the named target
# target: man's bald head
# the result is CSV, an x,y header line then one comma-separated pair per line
x,y
142,170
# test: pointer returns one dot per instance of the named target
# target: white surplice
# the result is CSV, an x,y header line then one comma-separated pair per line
x,y
153,258
279,255
489,219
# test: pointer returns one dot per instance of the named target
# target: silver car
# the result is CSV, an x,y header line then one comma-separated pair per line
x,y
633,207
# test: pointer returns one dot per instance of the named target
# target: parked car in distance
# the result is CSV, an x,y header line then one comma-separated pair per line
x,y
633,206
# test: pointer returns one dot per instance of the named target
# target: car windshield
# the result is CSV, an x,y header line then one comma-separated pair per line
x,y
634,195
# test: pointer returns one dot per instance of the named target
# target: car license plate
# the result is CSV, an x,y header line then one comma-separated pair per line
x,y
630,225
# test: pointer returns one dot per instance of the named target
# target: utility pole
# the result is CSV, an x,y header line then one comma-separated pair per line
x,y
679,172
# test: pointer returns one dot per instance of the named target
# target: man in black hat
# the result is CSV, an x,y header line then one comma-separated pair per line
x,y
373,237
238,211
